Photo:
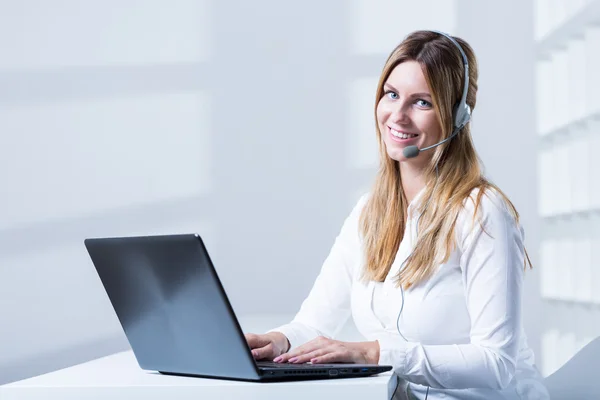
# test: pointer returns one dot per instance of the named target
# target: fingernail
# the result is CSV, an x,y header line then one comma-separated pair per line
x,y
254,354
277,359
314,360
293,359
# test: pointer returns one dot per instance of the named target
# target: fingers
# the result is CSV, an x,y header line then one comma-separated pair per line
x,y
336,356
261,345
255,341
322,350
263,352
303,358
308,347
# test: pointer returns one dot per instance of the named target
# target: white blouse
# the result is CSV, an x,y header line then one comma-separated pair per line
x,y
461,330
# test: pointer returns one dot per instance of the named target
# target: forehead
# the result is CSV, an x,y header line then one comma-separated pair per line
x,y
408,76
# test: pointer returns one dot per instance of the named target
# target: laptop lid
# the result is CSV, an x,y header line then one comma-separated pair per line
x,y
172,306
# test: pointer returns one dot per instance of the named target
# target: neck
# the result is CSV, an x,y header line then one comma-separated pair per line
x,y
413,179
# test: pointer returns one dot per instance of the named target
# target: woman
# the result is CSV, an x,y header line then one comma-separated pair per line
x,y
430,263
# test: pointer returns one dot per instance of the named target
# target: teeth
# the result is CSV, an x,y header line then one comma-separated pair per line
x,y
401,135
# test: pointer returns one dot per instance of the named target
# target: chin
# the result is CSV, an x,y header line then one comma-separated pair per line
x,y
396,155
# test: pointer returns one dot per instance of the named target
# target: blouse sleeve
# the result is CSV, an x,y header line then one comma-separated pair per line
x,y
327,306
492,264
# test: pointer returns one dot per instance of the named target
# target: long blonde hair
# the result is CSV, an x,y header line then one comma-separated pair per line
x,y
383,219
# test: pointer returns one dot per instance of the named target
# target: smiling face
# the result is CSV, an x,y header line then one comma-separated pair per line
x,y
405,113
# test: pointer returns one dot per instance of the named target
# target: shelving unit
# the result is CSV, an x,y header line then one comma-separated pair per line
x,y
567,51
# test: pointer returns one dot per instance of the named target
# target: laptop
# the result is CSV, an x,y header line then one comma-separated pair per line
x,y
177,317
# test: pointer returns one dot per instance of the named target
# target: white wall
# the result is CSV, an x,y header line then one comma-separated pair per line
x,y
248,122
105,130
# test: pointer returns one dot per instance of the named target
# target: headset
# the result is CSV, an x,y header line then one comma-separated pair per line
x,y
461,115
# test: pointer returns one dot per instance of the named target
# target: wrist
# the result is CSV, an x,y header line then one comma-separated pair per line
x,y
372,354
281,341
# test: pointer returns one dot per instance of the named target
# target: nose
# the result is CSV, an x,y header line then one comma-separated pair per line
x,y
399,114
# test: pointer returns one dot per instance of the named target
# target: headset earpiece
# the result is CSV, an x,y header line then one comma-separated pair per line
x,y
461,116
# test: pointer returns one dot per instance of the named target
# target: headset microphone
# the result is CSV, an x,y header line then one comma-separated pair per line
x,y
413,151
461,114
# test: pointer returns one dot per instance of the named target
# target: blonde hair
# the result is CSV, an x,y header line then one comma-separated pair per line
x,y
383,218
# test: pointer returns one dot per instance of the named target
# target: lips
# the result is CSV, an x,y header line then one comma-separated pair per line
x,y
397,132
402,140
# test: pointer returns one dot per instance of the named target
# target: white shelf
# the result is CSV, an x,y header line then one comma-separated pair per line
x,y
572,215
568,183
592,215
589,305
574,27
567,84
569,269
567,34
576,126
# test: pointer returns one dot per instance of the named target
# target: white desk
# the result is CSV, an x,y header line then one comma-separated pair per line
x,y
118,377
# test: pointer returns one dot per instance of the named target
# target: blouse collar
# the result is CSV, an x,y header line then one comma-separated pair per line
x,y
416,199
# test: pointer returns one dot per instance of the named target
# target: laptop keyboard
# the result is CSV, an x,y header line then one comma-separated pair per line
x,y
269,364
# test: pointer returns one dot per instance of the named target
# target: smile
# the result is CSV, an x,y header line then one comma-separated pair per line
x,y
401,136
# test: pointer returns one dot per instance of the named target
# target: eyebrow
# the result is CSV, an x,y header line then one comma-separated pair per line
x,y
421,94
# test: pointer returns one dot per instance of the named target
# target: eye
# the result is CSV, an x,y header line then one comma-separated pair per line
x,y
392,95
424,103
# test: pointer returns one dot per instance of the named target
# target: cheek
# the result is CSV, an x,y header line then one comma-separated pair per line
x,y
428,123
382,113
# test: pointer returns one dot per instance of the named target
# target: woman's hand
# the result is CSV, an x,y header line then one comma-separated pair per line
x,y
323,350
267,346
